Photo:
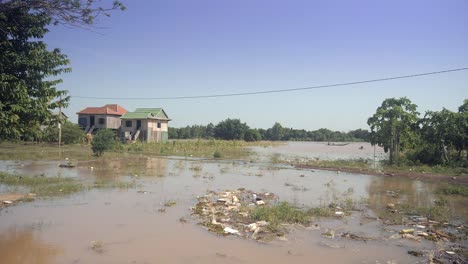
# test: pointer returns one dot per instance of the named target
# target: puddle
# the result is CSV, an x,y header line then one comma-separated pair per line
x,y
131,227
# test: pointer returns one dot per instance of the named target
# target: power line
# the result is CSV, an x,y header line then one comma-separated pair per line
x,y
277,91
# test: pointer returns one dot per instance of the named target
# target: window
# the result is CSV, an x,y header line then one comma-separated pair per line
x,y
128,123
101,121
82,121
159,124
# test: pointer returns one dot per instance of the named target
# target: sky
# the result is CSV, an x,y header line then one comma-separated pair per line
x,y
168,48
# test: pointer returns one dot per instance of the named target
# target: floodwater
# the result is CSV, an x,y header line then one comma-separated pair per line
x,y
132,229
323,150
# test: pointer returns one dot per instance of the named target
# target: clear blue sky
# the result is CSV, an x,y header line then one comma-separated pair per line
x,y
196,47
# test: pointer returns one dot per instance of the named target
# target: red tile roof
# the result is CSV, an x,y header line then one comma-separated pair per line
x,y
109,109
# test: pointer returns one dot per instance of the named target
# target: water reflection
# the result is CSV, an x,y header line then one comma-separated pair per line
x,y
25,246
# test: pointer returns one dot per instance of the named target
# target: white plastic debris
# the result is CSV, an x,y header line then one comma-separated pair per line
x,y
231,231
339,213
261,202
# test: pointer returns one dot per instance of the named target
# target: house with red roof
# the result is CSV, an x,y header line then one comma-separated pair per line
x,y
92,119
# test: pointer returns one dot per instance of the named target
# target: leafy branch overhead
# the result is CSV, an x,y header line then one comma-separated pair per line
x,y
71,12
28,90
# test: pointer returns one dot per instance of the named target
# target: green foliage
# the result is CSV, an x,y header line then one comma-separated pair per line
x,y
277,133
27,68
451,189
283,212
252,135
230,129
70,12
104,140
41,185
71,133
217,154
361,134
27,90
393,125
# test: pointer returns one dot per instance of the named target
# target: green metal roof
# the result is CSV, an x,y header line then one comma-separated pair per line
x,y
146,113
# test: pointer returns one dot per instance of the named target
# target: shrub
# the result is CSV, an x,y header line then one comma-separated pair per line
x,y
217,154
71,133
104,140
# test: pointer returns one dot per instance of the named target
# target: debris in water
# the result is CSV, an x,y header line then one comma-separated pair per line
x,y
339,213
407,231
97,246
415,253
231,231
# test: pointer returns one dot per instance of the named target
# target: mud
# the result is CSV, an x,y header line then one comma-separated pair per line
x,y
126,225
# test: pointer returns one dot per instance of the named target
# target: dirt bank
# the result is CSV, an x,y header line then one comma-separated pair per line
x,y
411,175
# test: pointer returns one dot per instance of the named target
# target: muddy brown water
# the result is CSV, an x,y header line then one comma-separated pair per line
x,y
132,230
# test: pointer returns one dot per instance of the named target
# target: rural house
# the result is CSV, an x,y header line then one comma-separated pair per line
x,y
92,119
145,124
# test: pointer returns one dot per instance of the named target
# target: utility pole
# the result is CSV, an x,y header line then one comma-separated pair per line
x,y
60,127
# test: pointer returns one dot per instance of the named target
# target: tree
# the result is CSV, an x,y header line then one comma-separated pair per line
x,y
25,97
276,132
104,140
230,129
28,90
393,125
252,135
360,134
69,12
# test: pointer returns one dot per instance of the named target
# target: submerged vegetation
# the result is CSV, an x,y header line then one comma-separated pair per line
x,y
451,189
41,185
195,148
44,186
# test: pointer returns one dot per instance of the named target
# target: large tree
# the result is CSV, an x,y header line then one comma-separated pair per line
x,y
231,129
27,90
393,125
28,70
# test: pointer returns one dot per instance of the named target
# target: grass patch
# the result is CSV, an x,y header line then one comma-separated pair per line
x,y
196,148
43,186
170,203
102,184
438,169
283,212
340,163
451,189
43,151
439,212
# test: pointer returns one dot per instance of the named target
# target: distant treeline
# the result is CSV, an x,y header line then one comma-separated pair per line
x,y
234,129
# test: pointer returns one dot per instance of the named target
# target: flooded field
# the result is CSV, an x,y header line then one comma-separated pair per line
x,y
323,150
152,222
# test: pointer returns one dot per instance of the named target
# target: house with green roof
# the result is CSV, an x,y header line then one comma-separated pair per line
x,y
145,124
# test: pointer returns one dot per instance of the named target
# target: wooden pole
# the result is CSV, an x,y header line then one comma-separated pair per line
x,y
60,127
